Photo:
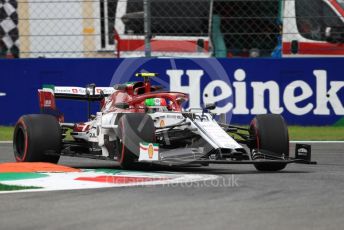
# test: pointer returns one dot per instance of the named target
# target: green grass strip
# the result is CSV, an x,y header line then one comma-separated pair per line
x,y
20,176
6,133
314,133
5,187
317,133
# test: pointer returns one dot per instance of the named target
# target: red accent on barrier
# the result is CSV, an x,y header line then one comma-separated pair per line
x,y
315,48
161,45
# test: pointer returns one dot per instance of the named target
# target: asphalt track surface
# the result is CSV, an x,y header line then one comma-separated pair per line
x,y
300,197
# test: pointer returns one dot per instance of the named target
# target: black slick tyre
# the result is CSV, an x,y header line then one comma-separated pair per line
x,y
271,136
35,135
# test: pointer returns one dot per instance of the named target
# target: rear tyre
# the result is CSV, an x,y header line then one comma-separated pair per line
x,y
270,133
133,129
34,135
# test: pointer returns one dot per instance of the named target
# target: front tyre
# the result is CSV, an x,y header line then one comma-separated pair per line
x,y
270,133
34,135
133,129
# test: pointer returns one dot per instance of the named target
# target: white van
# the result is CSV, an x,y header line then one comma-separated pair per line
x,y
313,28
288,28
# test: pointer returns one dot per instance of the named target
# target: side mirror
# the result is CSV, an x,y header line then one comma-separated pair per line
x,y
210,106
122,105
334,34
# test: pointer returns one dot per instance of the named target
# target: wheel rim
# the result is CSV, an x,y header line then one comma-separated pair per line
x,y
20,143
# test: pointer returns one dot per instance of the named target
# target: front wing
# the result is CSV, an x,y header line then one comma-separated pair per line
x,y
189,156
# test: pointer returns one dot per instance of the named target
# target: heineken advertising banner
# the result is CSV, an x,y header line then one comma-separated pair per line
x,y
307,91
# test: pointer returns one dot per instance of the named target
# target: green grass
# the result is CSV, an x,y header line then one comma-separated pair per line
x,y
4,187
6,133
317,133
313,133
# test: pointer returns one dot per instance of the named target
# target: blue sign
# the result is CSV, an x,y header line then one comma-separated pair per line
x,y
305,91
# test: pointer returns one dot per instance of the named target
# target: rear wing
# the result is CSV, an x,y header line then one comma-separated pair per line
x,y
91,93
49,93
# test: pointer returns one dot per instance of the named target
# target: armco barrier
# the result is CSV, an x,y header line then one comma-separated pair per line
x,y
304,91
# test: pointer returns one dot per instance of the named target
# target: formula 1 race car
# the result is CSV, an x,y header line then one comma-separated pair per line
x,y
139,124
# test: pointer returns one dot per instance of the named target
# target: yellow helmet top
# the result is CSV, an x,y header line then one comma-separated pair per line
x,y
146,74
